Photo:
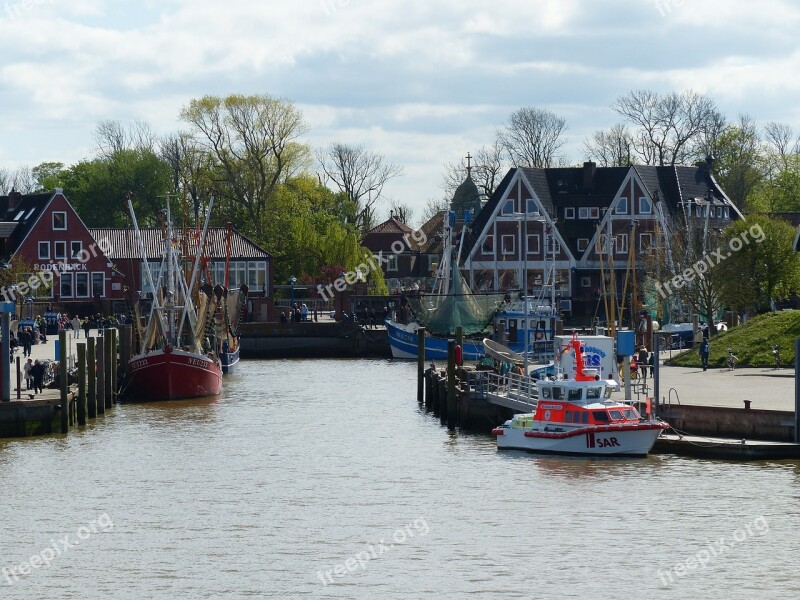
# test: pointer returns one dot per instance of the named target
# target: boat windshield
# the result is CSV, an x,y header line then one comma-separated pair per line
x,y
616,415
608,392
631,414
574,394
593,392
600,416
558,393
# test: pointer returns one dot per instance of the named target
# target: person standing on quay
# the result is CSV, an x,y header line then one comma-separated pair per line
x,y
28,377
37,370
705,350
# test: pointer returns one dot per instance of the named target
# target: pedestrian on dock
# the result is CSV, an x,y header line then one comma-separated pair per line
x,y
76,326
87,325
26,368
25,339
705,350
37,370
642,358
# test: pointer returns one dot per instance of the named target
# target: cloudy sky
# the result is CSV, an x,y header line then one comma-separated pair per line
x,y
421,81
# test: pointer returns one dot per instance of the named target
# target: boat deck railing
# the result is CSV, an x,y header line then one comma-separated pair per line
x,y
510,390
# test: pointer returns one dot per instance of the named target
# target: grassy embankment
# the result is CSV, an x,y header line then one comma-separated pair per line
x,y
751,342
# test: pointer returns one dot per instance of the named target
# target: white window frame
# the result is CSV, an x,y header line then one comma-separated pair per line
x,y
727,213
64,278
583,212
586,282
642,246
73,254
487,247
644,201
535,247
569,212
720,212
530,206
583,244
601,244
505,211
622,206
45,255
82,275
53,220
594,213
55,250
504,249
621,243
91,282
391,262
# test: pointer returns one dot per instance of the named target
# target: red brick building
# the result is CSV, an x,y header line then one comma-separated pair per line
x,y
72,269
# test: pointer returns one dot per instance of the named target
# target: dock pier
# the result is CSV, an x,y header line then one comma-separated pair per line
x,y
81,397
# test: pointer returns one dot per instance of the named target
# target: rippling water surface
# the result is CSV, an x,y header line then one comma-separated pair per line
x,y
323,479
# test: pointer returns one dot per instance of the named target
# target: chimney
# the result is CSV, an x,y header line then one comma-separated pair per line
x,y
13,199
588,174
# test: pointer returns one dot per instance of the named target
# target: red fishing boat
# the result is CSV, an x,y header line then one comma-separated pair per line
x,y
172,363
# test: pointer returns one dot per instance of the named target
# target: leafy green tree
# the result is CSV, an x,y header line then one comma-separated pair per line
x,y
762,262
252,141
739,164
47,175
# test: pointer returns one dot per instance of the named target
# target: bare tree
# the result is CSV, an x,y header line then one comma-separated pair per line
x,y
487,170
610,147
113,137
780,138
532,137
669,127
401,211
21,179
192,168
433,207
360,174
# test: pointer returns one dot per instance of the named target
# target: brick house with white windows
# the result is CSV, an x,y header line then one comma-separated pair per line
x,y
538,218
46,233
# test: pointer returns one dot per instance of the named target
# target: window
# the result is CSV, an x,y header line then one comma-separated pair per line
x,y
622,206
594,213
98,285
568,417
645,241
75,249
720,212
508,207
645,208
601,246
583,212
237,274
530,206
546,393
583,243
621,242
533,243
615,415
391,263
59,221
81,285
569,212
558,393
600,416
508,244
59,250
576,416
44,250
585,418
154,267
553,247
488,245
727,214
593,393
575,394
257,274
66,285
586,282
19,215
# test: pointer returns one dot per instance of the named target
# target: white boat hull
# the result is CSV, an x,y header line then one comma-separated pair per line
x,y
601,441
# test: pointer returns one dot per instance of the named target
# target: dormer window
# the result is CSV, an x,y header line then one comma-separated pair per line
x,y
622,206
19,215
59,221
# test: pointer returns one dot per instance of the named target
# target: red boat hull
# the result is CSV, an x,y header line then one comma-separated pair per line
x,y
174,375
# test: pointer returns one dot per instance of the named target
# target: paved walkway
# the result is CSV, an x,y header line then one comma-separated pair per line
x,y
766,388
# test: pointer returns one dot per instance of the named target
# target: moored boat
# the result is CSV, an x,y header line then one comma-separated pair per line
x,y
172,363
578,416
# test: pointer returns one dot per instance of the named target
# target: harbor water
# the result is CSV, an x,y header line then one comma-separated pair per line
x,y
324,479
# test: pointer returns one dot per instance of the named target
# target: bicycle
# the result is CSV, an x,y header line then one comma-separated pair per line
x,y
732,360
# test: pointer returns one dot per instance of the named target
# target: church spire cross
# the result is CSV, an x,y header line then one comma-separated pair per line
x,y
469,165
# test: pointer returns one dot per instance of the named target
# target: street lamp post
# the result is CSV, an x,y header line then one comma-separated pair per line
x,y
292,281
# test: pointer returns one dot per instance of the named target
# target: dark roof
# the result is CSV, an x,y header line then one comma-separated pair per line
x,y
123,244
466,197
28,208
391,225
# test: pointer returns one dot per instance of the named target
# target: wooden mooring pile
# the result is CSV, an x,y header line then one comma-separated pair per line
x,y
99,369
